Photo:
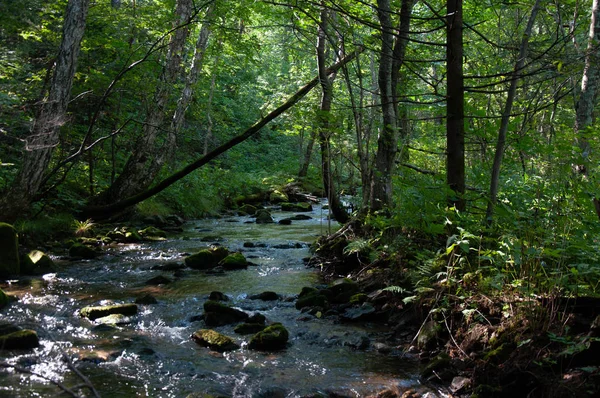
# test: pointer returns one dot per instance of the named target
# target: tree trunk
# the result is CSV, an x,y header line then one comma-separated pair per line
x,y
308,154
324,122
455,130
107,210
500,144
44,136
391,59
589,88
145,162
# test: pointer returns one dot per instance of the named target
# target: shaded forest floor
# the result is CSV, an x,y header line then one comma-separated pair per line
x,y
472,339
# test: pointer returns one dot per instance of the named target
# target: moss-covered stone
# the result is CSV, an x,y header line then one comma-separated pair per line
x,y
82,251
4,300
247,210
206,258
234,261
438,363
214,340
358,298
500,354
113,320
152,232
19,340
217,314
132,237
428,335
263,217
249,328
277,197
36,262
296,206
312,299
265,296
272,338
9,251
95,312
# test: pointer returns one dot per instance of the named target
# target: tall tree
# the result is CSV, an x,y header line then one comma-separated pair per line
x,y
455,98
510,97
393,49
52,114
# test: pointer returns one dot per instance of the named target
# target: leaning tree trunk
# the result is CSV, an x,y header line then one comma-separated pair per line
x,y
324,122
145,162
107,210
512,91
589,88
455,97
44,136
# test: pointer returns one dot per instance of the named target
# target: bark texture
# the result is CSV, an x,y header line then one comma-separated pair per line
x,y
44,136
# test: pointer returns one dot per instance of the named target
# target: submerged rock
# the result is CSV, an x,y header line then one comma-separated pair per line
x,y
263,217
16,338
9,250
146,299
218,296
217,314
272,338
158,280
214,340
300,206
249,328
79,250
265,296
95,312
4,299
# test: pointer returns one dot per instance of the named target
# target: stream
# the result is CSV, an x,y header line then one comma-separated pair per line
x,y
154,356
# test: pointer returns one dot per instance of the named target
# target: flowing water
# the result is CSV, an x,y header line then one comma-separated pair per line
x,y
154,356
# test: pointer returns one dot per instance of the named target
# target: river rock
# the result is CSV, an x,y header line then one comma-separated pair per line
x,y
459,384
206,258
247,210
113,320
15,338
152,232
312,299
9,250
257,317
4,299
300,206
277,197
272,338
79,250
263,216
428,334
234,261
265,296
300,217
285,221
95,312
342,290
217,314
218,296
37,262
214,340
359,314
146,299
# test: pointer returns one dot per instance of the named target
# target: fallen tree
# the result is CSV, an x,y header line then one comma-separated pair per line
x,y
105,211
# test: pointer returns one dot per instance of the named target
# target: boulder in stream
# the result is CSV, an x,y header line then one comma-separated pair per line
x,y
4,299
263,216
300,206
146,299
95,312
152,232
265,296
9,250
79,250
214,340
218,296
234,261
206,258
158,280
14,338
311,297
217,314
272,338
37,262
249,328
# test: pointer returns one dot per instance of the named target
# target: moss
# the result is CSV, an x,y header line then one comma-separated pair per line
x,y
500,354
234,261
277,196
9,250
152,232
132,237
314,299
214,340
296,206
249,328
247,210
41,260
21,340
217,314
96,312
206,258
358,298
438,363
274,337
82,251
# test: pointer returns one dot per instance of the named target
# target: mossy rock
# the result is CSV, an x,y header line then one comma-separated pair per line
x,y
272,338
358,298
306,290
436,364
4,299
82,251
95,312
113,320
312,299
342,290
206,258
500,354
263,217
234,261
277,197
265,296
428,335
214,340
39,262
19,340
152,232
9,251
247,210
132,237
301,207
217,314
249,328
